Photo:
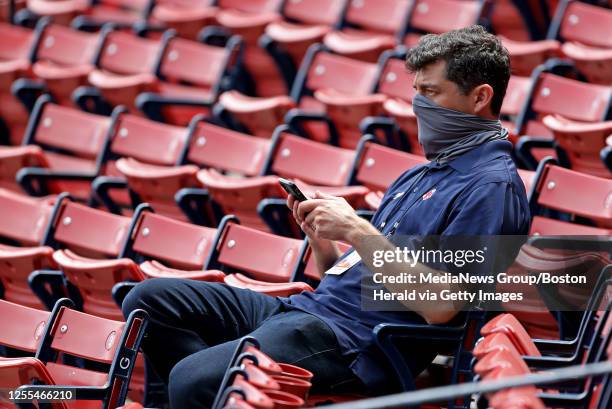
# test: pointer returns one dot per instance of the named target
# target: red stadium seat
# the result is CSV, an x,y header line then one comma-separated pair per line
x,y
439,16
23,328
579,144
371,27
264,258
525,56
379,166
15,49
211,147
63,59
103,11
125,67
306,23
85,336
27,229
146,141
592,62
507,324
291,158
189,87
584,23
556,187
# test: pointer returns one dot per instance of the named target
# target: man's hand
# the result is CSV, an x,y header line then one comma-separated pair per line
x,y
327,217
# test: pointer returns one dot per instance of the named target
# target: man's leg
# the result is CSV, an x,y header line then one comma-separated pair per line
x,y
188,316
292,337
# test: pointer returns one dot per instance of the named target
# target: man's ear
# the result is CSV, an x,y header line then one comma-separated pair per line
x,y
482,96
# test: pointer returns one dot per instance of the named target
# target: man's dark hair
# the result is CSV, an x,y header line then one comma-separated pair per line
x,y
473,57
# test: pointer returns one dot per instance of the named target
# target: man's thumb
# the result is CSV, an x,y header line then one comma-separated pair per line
x,y
321,195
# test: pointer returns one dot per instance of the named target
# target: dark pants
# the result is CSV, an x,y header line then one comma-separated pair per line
x,y
194,327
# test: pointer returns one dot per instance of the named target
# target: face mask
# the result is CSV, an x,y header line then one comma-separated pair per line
x,y
446,134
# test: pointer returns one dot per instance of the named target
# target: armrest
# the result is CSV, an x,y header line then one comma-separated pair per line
x,y
48,285
120,291
275,213
375,125
34,180
101,187
296,118
550,346
550,362
151,103
524,147
193,202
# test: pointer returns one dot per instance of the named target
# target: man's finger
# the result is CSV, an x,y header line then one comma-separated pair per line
x,y
320,195
290,201
296,216
308,206
306,228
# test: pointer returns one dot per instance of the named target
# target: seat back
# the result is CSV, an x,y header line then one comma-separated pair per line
x,y
126,54
439,16
516,95
148,141
224,149
340,73
395,80
189,248
182,62
378,166
587,24
327,12
90,232
382,16
70,130
252,6
16,42
65,46
543,226
22,327
573,99
293,158
263,256
28,220
556,189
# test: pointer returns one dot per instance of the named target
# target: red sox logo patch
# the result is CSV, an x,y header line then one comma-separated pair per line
x,y
429,194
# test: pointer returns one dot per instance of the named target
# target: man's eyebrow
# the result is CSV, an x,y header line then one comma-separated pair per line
x,y
426,85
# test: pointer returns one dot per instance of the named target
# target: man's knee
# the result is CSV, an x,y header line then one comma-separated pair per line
x,y
144,294
193,384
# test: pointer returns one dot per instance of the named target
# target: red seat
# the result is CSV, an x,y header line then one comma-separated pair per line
x,y
585,23
85,336
63,59
581,143
264,258
63,140
125,67
514,102
439,16
509,361
291,158
189,87
104,11
306,23
211,147
507,324
371,27
525,56
146,141
516,398
556,188
15,49
23,328
379,166
27,227
590,61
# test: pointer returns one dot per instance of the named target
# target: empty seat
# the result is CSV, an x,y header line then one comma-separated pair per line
x,y
211,146
62,60
579,144
15,49
125,67
291,158
24,327
556,187
370,28
379,166
81,335
592,62
148,142
525,56
64,141
90,15
188,87
24,244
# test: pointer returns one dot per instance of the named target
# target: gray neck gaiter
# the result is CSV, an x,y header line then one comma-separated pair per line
x,y
446,134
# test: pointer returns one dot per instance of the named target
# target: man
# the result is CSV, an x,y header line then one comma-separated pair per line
x,y
470,187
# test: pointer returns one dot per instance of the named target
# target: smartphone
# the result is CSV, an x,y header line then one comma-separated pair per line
x,y
292,189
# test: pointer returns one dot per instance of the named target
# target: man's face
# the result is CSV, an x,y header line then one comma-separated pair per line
x,y
431,82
